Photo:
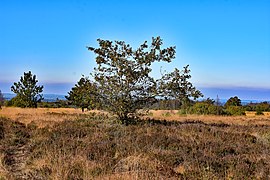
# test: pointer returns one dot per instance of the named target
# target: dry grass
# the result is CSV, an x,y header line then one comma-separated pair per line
x,y
249,119
42,116
98,148
89,146
48,116
250,113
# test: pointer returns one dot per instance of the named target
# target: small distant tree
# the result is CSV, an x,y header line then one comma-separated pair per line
x,y
84,94
123,75
234,107
233,101
27,91
2,100
262,107
176,85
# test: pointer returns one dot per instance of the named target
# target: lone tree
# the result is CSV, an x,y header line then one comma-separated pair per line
x,y
123,75
2,100
27,90
233,101
234,107
176,85
84,94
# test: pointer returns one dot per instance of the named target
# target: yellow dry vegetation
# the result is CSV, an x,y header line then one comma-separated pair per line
x,y
94,148
41,116
249,119
48,116
250,113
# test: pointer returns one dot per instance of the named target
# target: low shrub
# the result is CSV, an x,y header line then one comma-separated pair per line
x,y
235,110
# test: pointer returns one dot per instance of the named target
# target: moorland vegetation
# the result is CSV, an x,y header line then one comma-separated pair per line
x,y
121,139
97,146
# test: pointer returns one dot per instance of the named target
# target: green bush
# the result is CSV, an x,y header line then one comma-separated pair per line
x,y
235,110
205,108
258,107
200,108
259,111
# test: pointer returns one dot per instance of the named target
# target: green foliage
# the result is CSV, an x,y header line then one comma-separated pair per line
x,y
234,107
123,74
262,107
235,110
259,112
27,90
233,101
202,108
9,103
176,85
258,107
207,107
16,101
84,94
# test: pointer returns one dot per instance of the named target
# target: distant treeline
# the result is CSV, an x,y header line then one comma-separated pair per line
x,y
45,104
233,106
47,97
121,84
205,107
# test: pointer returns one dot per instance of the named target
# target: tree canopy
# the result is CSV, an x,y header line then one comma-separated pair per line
x,y
176,85
27,91
233,101
84,94
123,74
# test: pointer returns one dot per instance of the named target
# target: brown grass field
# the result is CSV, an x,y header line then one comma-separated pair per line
x,y
48,116
249,119
42,116
67,144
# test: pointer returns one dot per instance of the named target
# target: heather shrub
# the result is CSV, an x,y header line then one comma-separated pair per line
x,y
97,147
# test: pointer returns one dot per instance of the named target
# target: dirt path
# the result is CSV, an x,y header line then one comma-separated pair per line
x,y
15,161
15,150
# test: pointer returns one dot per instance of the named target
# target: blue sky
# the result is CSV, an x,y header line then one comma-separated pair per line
x,y
226,42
